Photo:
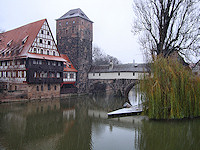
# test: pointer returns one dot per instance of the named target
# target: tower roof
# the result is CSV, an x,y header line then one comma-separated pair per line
x,y
74,13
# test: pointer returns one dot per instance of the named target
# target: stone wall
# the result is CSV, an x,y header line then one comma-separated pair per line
x,y
119,87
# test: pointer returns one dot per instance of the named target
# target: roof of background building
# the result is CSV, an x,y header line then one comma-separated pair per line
x,y
119,68
74,13
12,45
68,66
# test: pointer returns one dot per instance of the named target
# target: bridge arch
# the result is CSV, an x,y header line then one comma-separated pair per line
x,y
129,87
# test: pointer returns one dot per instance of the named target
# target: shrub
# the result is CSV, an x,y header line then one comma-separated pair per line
x,y
171,91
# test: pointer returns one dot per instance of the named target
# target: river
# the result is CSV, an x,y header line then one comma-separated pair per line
x,y
81,123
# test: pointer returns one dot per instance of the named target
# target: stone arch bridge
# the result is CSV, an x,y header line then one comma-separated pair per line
x,y
118,78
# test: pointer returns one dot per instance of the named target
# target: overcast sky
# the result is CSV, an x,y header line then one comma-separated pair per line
x,y
111,28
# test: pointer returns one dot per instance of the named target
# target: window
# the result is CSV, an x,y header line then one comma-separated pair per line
x,y
74,22
70,65
41,52
41,87
59,23
99,74
71,75
93,74
49,87
34,62
42,32
55,87
54,63
47,32
58,75
34,50
133,73
118,73
47,52
15,88
66,22
37,88
49,42
49,63
40,40
54,54
59,64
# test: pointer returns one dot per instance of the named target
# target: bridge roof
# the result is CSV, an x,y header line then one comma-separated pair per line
x,y
119,68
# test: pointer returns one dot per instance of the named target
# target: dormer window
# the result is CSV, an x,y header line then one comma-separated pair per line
x,y
72,14
24,40
9,43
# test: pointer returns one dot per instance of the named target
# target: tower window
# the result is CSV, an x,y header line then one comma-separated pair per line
x,y
49,42
40,40
49,87
37,88
47,32
42,32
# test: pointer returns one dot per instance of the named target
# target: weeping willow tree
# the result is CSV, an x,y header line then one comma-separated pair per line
x,y
171,91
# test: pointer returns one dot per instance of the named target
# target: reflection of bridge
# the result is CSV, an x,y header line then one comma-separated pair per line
x,y
119,78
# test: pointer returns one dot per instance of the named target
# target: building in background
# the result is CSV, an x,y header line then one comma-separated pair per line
x,y
30,63
69,77
74,34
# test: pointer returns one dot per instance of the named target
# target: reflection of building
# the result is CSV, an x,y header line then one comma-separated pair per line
x,y
30,63
69,113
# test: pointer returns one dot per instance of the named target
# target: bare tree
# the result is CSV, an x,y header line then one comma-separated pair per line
x,y
100,58
168,26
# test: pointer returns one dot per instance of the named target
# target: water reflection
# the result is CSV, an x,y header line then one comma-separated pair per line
x,y
81,123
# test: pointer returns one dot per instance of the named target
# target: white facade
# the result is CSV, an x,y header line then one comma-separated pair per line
x,y
44,42
116,75
69,77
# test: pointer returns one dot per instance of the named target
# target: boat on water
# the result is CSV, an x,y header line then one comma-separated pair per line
x,y
128,111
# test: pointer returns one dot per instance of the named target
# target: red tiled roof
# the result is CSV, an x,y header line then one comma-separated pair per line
x,y
17,35
48,57
67,69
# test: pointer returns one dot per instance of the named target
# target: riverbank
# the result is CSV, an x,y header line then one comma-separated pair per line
x,y
10,100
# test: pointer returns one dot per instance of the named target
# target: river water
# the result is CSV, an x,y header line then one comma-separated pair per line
x,y
81,123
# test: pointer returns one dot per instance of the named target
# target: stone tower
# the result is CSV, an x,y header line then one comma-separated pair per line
x,y
74,34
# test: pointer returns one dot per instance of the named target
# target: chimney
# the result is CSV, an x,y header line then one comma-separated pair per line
x,y
111,65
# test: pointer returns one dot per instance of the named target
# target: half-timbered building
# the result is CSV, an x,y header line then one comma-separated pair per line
x,y
30,63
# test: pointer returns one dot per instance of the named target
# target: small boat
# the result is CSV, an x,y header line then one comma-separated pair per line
x,y
133,110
